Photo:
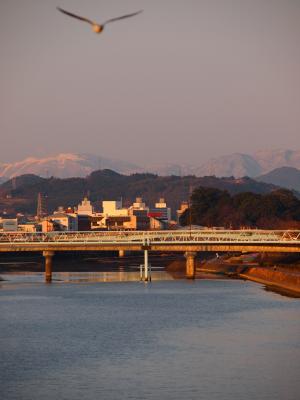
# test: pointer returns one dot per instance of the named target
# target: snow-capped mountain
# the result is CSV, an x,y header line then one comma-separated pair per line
x,y
80,165
65,166
69,165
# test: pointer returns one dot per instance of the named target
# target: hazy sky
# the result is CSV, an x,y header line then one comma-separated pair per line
x,y
184,81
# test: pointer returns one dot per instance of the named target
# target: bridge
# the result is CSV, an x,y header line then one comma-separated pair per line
x,y
187,241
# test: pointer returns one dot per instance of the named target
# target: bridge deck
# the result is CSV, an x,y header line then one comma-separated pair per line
x,y
180,240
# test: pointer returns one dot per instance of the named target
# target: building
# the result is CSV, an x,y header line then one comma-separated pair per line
x,y
114,215
138,205
84,223
142,220
48,226
139,215
113,209
161,211
85,214
65,221
119,223
96,222
85,208
9,224
28,227
157,224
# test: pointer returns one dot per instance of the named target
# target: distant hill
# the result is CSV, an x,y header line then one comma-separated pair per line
x,y
272,159
286,177
20,194
239,165
21,181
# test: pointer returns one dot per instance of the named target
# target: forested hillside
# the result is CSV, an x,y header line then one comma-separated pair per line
x,y
20,194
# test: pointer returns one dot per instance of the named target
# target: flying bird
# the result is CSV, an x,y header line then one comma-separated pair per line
x,y
98,28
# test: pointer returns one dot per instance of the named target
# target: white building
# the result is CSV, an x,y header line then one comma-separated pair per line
x,y
85,208
114,209
138,207
139,204
113,213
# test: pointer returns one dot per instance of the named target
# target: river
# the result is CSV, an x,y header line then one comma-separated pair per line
x,y
206,339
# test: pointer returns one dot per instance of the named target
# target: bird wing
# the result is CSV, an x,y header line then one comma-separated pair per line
x,y
75,16
123,17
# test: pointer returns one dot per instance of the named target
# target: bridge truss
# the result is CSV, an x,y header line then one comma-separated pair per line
x,y
155,237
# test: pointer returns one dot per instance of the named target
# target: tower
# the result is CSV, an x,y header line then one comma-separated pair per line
x,y
41,206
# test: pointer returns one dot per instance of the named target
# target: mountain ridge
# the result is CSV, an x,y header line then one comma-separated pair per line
x,y
67,165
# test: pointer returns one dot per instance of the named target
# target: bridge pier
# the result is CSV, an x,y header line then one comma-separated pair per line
x,y
190,264
262,257
146,265
48,265
121,253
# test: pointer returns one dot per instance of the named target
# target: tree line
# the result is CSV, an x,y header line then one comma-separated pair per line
x,y
279,209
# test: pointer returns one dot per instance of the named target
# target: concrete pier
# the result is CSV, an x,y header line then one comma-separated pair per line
x,y
48,265
190,264
146,266
121,253
262,257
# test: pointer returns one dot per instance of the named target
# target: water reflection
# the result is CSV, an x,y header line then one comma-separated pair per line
x,y
120,276
82,277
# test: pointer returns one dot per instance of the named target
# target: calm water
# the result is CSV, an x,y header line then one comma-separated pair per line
x,y
166,340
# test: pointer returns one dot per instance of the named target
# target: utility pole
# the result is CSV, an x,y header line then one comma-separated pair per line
x,y
190,210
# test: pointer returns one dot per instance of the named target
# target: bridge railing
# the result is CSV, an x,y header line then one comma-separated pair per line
x,y
144,237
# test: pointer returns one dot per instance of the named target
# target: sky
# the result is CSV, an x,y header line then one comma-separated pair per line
x,y
182,82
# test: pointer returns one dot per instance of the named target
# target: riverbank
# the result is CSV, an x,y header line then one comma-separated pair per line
x,y
273,278
281,277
